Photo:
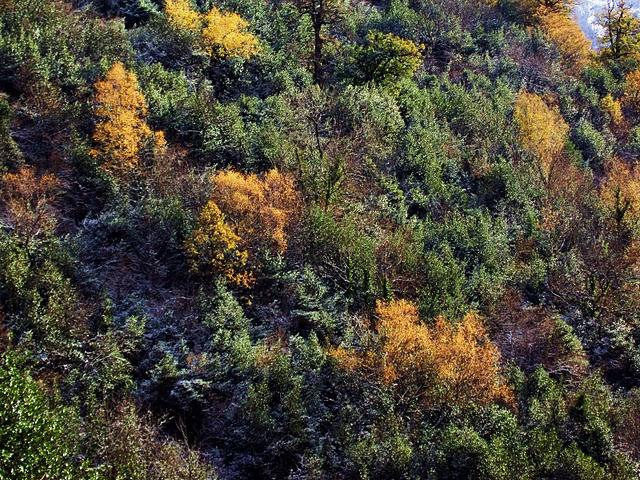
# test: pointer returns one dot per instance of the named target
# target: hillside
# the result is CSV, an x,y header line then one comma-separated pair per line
x,y
328,239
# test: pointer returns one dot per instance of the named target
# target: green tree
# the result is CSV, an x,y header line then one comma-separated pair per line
x,y
386,59
620,31
36,434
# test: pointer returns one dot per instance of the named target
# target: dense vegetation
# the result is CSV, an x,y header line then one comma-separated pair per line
x,y
318,239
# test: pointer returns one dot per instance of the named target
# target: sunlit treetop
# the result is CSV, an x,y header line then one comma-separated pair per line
x,y
121,130
568,37
438,364
213,248
620,192
220,34
181,14
225,34
542,130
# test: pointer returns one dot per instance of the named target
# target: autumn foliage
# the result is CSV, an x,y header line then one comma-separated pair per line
x,y
213,248
259,209
27,202
220,34
564,32
442,363
620,192
542,130
121,131
246,215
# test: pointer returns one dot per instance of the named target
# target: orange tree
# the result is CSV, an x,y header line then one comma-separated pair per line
x,y
435,365
121,131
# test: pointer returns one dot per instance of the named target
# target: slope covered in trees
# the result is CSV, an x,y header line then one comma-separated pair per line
x,y
318,240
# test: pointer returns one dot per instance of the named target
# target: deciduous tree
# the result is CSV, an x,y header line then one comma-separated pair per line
x,y
620,191
121,131
27,202
259,209
620,31
220,34
542,129
565,33
436,365
213,248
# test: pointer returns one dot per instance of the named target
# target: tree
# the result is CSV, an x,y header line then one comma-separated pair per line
x,y
181,14
565,33
225,35
321,13
259,209
613,108
620,192
35,434
27,202
542,129
631,96
121,131
220,34
436,365
387,58
213,248
620,31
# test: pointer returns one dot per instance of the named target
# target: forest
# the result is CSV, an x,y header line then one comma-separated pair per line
x,y
318,239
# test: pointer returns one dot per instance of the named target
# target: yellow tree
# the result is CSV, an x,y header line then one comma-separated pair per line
x,y
542,130
613,107
456,365
213,248
631,96
225,35
620,192
220,34
260,209
121,130
27,202
564,32
181,14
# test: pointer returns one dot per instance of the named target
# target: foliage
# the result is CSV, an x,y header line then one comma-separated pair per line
x,y
620,28
28,203
260,209
121,131
387,59
213,248
442,364
318,239
543,131
220,34
36,434
565,33
620,192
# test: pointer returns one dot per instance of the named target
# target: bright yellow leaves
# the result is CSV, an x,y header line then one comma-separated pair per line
x,y
457,365
181,14
631,97
225,35
27,202
260,209
121,130
246,215
613,108
620,192
221,34
542,130
213,248
564,32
